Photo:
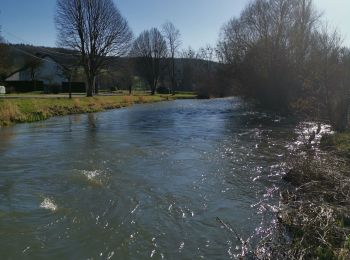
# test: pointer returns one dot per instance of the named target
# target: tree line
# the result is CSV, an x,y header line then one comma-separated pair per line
x,y
96,29
97,33
283,55
279,53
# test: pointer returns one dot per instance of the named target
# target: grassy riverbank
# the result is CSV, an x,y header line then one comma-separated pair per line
x,y
26,109
338,143
314,211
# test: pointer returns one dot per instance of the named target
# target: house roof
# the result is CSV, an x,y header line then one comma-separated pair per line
x,y
63,57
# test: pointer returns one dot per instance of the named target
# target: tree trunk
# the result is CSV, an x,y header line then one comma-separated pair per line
x,y
89,91
90,86
70,86
154,87
96,87
173,76
173,87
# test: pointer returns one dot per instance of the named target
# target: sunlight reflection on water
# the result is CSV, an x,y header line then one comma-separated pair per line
x,y
147,181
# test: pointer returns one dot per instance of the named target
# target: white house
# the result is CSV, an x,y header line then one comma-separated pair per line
x,y
49,72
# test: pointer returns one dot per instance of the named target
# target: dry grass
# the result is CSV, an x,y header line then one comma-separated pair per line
x,y
141,99
9,112
314,212
77,103
128,100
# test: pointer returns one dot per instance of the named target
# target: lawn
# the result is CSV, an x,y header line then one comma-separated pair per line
x,y
26,109
30,107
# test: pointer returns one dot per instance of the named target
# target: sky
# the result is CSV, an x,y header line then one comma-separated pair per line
x,y
199,21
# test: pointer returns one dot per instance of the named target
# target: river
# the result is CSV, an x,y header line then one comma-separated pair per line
x,y
151,181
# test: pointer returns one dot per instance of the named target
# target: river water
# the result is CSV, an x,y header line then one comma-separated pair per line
x,y
175,180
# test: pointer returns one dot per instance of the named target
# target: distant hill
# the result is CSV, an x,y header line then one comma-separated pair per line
x,y
115,68
66,56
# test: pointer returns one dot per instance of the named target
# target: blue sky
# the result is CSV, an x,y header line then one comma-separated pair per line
x,y
31,21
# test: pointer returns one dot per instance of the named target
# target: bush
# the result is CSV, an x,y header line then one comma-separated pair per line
x,y
314,211
52,89
163,90
339,143
23,86
76,87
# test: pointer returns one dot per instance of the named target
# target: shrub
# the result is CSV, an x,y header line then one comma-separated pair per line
x,y
163,90
76,87
23,86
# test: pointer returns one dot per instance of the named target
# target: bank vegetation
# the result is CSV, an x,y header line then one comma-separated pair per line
x,y
283,55
20,110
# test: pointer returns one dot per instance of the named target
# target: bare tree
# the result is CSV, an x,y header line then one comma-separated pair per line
x,y
186,69
3,59
150,49
33,64
94,28
69,70
1,38
172,37
127,77
279,53
207,54
10,62
268,47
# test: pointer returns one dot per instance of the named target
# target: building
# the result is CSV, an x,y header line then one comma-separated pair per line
x,y
45,68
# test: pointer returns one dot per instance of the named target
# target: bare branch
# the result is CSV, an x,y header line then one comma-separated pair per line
x,y
94,28
150,49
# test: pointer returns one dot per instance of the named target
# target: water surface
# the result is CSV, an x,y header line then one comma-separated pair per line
x,y
144,182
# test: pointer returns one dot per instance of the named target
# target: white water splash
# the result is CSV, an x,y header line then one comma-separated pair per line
x,y
91,175
95,177
48,204
110,255
181,246
134,210
26,249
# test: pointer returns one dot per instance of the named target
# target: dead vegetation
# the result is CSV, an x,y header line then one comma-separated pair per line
x,y
314,215
9,112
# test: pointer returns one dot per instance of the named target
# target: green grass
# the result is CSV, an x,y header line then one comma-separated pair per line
x,y
18,110
339,142
178,95
185,95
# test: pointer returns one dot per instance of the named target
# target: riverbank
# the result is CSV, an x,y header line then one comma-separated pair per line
x,y
314,212
29,109
338,143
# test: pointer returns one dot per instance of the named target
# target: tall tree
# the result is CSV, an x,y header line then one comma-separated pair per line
x,y
280,55
3,47
33,65
268,47
6,61
1,38
94,28
150,49
172,37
